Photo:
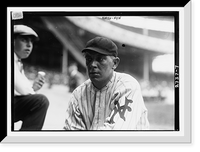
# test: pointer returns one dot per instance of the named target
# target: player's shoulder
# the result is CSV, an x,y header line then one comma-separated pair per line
x,y
127,80
82,87
126,77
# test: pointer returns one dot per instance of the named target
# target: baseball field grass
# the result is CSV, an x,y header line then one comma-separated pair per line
x,y
160,115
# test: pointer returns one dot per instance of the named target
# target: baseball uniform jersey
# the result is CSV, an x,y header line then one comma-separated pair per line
x,y
117,106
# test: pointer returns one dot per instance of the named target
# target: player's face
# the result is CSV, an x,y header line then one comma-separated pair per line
x,y
99,67
23,46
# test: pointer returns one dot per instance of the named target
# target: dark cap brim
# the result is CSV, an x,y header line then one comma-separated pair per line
x,y
99,50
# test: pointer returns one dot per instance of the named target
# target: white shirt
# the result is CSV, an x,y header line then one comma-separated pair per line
x,y
117,106
22,86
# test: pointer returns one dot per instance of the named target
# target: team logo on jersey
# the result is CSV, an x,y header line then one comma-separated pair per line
x,y
121,109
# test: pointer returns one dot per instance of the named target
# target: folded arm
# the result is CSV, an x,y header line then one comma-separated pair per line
x,y
22,85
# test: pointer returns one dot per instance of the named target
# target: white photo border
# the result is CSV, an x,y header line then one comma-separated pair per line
x,y
181,136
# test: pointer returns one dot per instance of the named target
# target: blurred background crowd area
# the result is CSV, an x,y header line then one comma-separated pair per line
x,y
152,90
145,47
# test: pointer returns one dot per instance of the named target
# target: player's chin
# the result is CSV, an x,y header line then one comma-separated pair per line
x,y
94,75
95,78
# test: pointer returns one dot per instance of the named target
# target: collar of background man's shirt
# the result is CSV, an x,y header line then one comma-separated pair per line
x,y
19,62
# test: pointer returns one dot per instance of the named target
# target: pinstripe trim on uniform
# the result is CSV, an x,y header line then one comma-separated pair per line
x,y
119,105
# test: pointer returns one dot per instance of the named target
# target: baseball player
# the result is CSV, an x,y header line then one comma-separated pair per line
x,y
109,100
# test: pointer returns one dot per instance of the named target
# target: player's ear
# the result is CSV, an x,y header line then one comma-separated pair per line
x,y
116,61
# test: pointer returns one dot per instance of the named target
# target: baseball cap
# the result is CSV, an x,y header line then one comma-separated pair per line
x,y
101,45
25,30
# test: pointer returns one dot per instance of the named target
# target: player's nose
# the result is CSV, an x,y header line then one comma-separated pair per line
x,y
94,63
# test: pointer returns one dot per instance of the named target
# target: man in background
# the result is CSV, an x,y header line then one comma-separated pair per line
x,y
28,106
75,77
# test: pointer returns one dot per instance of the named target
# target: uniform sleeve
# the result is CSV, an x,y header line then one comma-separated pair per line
x,y
22,85
74,119
128,110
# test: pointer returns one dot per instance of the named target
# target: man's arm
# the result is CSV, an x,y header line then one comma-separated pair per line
x,y
74,119
22,85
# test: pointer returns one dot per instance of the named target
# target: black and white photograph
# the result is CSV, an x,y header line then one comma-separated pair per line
x,y
95,72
